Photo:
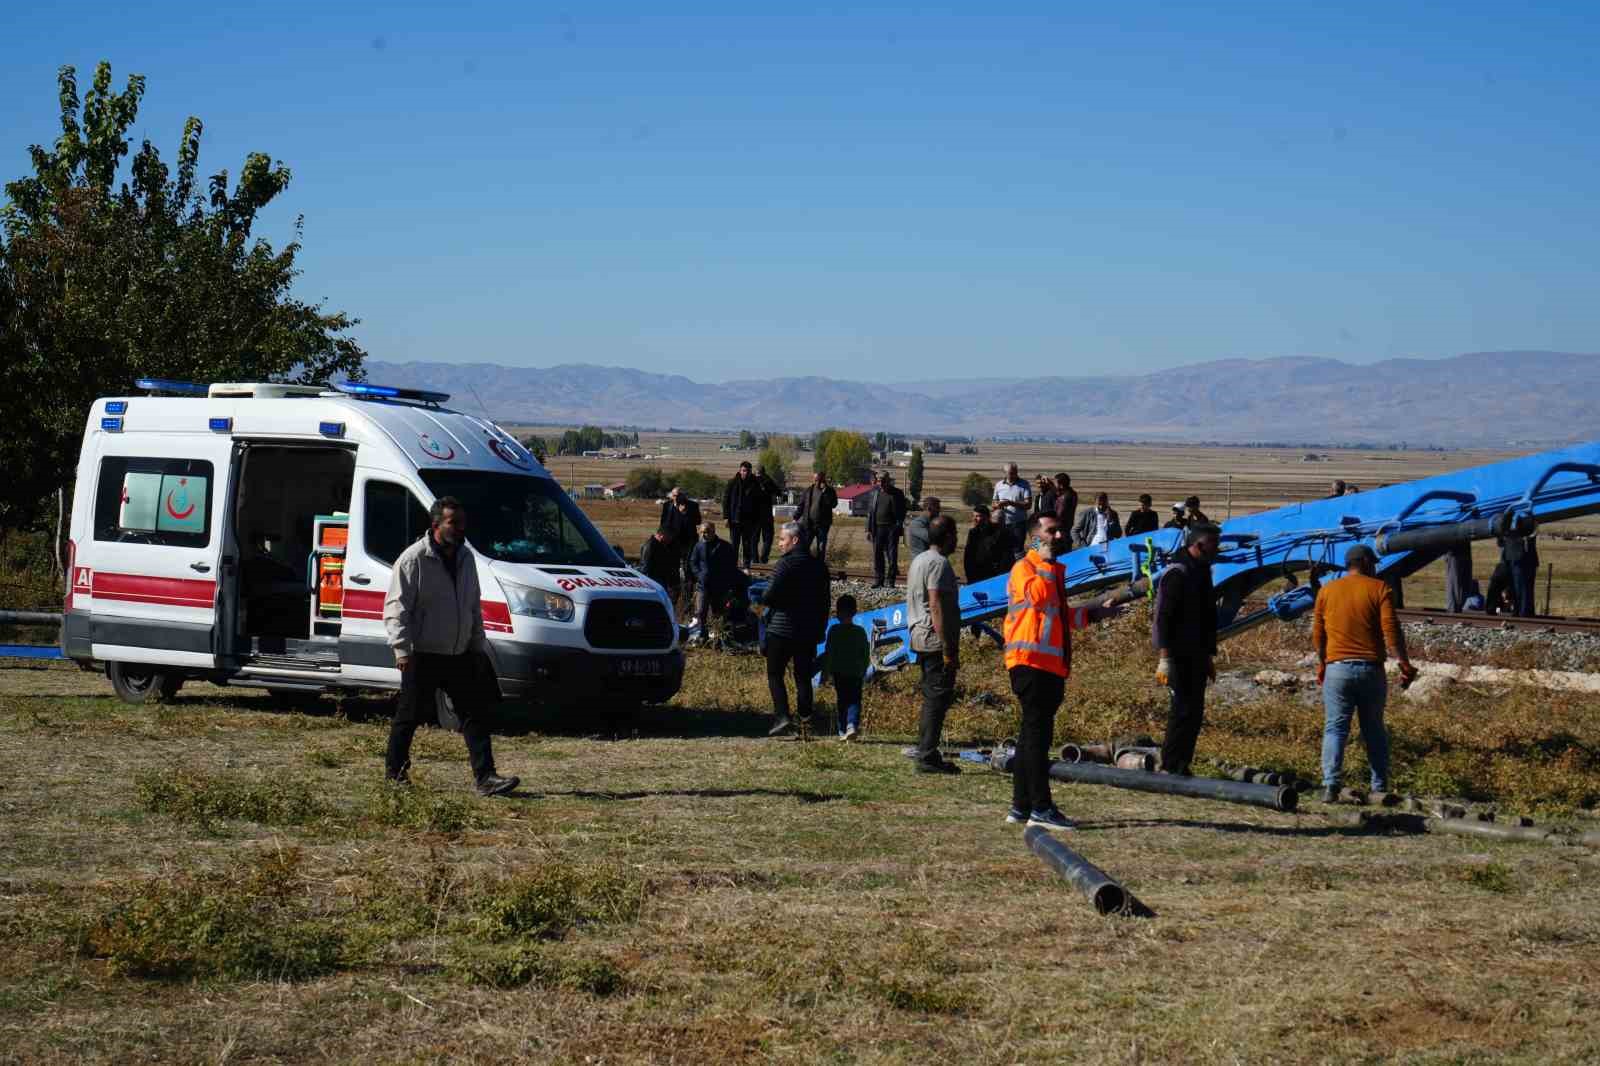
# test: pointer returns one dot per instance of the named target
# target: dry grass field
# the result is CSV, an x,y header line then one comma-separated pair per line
x,y
220,880
223,880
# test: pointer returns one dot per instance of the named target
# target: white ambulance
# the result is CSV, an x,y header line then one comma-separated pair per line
x,y
244,533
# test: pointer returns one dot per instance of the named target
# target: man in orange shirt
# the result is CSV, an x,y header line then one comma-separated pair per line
x,y
1352,624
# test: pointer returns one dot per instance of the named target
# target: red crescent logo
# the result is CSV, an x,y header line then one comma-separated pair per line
x,y
173,511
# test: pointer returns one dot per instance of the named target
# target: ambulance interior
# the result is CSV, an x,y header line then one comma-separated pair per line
x,y
291,515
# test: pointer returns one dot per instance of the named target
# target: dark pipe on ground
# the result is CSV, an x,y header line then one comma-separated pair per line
x,y
1468,827
1096,885
1281,798
29,618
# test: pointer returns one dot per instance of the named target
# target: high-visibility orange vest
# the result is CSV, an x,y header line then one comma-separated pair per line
x,y
1039,623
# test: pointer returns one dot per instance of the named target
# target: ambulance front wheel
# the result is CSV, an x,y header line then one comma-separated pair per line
x,y
138,682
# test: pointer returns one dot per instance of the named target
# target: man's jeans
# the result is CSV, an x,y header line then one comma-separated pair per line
x,y
1358,689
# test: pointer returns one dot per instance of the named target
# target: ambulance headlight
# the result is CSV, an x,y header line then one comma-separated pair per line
x,y
537,603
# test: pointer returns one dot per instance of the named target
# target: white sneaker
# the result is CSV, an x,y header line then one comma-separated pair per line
x,y
850,732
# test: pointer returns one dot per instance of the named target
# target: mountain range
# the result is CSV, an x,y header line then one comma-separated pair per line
x,y
1481,399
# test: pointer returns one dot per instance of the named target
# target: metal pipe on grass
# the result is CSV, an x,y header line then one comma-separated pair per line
x,y
1097,886
1281,798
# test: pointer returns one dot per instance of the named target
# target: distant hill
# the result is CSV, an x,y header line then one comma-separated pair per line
x,y
1479,399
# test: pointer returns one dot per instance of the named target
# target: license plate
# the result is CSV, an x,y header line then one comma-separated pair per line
x,y
637,667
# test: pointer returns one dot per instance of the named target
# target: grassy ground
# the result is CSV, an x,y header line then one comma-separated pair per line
x,y
219,880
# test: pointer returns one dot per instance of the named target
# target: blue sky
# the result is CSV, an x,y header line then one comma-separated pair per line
x,y
890,192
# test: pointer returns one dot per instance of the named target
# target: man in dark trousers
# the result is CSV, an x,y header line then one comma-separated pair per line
x,y
1066,511
816,515
741,509
1038,655
1184,633
988,550
1144,520
934,628
433,615
716,571
796,603
886,520
766,494
680,520
1521,555
1457,576
658,561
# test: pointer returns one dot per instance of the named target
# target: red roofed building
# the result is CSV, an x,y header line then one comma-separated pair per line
x,y
854,500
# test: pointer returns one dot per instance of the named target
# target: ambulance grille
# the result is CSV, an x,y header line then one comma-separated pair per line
x,y
618,623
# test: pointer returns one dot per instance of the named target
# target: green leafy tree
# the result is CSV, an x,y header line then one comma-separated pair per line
x,y
914,474
159,275
698,483
538,446
846,459
776,465
976,489
647,483
747,440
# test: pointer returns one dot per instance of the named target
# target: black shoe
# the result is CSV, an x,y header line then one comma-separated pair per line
x,y
782,727
941,767
399,780
495,785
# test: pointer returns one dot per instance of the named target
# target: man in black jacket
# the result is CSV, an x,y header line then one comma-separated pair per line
x,y
658,561
765,494
1184,632
886,520
717,571
796,602
741,510
1144,520
816,515
988,550
680,521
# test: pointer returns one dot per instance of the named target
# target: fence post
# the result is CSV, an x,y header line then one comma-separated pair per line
x,y
1549,577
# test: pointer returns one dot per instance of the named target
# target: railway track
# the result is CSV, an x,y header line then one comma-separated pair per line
x,y
1500,621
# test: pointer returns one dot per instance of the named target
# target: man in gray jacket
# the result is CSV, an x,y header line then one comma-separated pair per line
x,y
434,617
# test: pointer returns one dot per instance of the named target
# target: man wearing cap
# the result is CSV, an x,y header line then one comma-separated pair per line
x,y
1177,521
1144,520
1351,626
1184,632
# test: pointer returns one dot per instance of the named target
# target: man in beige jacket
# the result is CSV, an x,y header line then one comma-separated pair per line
x,y
434,618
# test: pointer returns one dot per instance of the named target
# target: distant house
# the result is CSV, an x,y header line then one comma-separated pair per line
x,y
594,492
854,500
617,491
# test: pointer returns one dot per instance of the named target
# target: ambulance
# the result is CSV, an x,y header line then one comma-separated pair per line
x,y
243,534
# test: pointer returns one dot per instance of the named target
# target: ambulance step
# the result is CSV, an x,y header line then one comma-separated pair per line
x,y
328,664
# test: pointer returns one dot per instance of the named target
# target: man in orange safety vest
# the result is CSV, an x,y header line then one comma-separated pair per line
x,y
1038,640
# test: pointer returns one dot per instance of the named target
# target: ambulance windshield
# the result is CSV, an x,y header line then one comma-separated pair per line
x,y
519,519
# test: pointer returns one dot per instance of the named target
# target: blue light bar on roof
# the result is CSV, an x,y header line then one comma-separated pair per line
x,y
389,392
221,425
178,388
111,425
331,429
116,407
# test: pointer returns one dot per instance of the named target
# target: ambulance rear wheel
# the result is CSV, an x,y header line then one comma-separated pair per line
x,y
137,682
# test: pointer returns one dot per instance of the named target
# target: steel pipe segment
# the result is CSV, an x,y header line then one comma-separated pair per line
x,y
1086,753
29,618
1136,759
1281,798
1468,827
1097,886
